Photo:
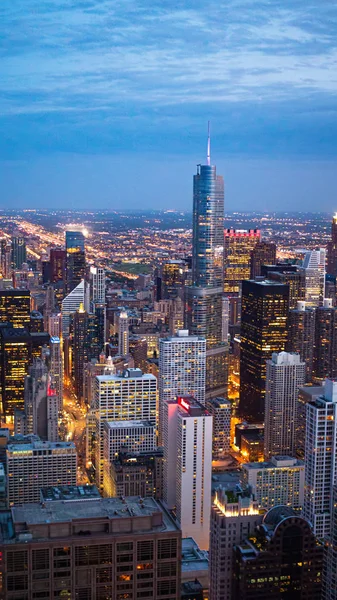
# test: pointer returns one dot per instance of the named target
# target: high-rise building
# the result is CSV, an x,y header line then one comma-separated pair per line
x,y
57,265
19,252
282,559
237,251
97,285
263,253
54,327
40,413
15,307
80,546
225,319
221,410
306,394
320,458
285,375
325,346
123,334
173,279
279,481
332,248
204,296
56,369
313,269
296,282
263,331
182,369
138,474
36,322
188,466
301,335
71,303
75,259
84,345
15,356
234,516
35,464
131,396
329,583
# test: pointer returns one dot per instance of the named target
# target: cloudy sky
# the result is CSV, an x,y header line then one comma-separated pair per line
x,y
105,103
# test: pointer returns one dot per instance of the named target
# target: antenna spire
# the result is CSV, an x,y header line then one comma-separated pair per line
x,y
209,145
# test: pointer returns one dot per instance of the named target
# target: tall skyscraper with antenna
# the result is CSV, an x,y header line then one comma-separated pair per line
x,y
204,297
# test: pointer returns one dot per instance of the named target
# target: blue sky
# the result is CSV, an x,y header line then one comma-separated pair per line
x,y
105,103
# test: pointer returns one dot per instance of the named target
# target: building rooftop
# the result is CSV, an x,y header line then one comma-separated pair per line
x,y
192,558
83,517
129,424
276,461
38,445
69,492
127,374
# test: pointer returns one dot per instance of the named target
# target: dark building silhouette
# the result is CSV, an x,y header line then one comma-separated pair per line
x,y
173,280
75,259
332,248
282,560
57,264
296,282
263,331
301,335
325,353
84,341
19,252
263,253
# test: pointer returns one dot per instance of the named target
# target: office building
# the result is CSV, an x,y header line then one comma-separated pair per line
x,y
39,341
234,516
3,488
36,322
332,248
313,269
182,369
138,474
204,296
329,583
19,252
56,369
296,282
225,318
237,252
100,548
307,393
85,346
34,464
320,459
279,481
40,413
301,336
217,359
54,327
263,331
263,253
282,559
15,307
221,410
97,285
123,334
173,280
188,466
285,375
57,259
325,346
176,316
15,355
75,259
72,302
130,396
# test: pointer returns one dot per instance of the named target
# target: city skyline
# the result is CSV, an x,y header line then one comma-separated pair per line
x,y
108,89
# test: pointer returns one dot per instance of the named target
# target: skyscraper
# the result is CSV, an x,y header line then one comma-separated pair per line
x,y
57,265
329,584
15,307
332,248
15,355
313,269
234,516
295,280
97,285
56,368
188,466
263,253
19,253
204,297
301,335
84,343
123,333
173,279
320,459
237,251
263,331
75,259
72,302
182,369
325,346
285,375
221,410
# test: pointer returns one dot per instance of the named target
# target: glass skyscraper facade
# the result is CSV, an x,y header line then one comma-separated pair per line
x,y
75,259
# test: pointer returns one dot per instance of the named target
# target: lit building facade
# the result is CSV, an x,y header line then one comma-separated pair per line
x,y
263,253
325,345
221,410
263,331
123,334
301,335
19,252
314,277
238,245
332,248
15,307
285,375
75,259
173,280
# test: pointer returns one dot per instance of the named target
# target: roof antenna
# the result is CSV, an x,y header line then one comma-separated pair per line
x,y
209,145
